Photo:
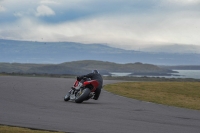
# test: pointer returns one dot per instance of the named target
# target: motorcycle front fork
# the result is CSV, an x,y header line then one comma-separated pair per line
x,y
74,91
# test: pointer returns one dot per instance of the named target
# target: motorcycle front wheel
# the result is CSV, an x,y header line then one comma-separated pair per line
x,y
67,97
82,95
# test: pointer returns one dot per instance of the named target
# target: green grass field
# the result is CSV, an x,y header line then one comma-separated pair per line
x,y
179,94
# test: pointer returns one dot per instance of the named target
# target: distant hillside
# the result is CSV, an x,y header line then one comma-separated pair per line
x,y
57,52
83,67
181,67
174,48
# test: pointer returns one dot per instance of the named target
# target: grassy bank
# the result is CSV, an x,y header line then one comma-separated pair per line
x,y
180,94
8,129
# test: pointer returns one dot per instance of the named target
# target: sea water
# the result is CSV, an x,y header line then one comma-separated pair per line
x,y
181,74
188,74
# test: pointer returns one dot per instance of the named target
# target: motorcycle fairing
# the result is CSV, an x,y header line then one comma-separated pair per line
x,y
76,83
92,82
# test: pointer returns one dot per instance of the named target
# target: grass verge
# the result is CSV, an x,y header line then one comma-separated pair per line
x,y
179,94
10,129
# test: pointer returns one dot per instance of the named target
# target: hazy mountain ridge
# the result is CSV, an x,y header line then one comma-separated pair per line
x,y
174,48
187,67
82,67
57,52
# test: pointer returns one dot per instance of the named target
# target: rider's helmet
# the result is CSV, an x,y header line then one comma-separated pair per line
x,y
95,71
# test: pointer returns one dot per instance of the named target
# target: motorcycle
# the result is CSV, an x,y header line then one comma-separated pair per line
x,y
82,90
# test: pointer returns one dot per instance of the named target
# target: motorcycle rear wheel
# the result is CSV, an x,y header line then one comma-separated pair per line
x,y
80,97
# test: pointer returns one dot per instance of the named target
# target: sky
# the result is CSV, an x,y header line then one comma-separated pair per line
x,y
128,24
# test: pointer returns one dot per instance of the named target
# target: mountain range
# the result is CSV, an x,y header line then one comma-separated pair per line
x,y
83,67
174,48
13,51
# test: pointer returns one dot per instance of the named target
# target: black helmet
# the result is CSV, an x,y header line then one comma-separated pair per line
x,y
95,71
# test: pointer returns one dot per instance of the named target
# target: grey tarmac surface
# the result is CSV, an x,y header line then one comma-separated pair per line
x,y
38,103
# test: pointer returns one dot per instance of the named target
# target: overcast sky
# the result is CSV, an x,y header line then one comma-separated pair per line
x,y
128,24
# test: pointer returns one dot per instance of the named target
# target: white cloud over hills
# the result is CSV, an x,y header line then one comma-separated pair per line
x,y
43,10
130,24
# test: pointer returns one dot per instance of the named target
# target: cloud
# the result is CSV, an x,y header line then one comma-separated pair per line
x,y
2,9
19,14
183,2
125,24
131,31
27,13
43,10
49,2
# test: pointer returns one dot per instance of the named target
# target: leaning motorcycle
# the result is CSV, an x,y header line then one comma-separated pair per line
x,y
82,90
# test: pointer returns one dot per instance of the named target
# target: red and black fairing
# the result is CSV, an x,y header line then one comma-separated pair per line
x,y
91,84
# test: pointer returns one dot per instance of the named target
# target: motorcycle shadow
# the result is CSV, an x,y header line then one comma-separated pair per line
x,y
85,102
90,103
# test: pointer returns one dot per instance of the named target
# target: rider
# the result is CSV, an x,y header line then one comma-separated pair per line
x,y
94,76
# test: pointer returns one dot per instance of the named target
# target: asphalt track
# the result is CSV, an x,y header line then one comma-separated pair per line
x,y
38,103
